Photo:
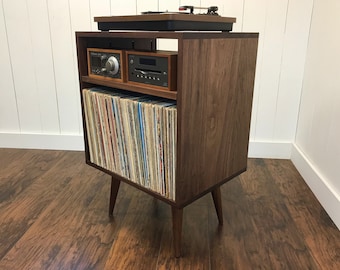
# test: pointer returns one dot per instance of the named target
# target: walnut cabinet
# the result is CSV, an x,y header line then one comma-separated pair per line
x,y
214,90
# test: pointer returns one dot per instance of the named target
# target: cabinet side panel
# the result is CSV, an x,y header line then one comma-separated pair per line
x,y
81,44
214,117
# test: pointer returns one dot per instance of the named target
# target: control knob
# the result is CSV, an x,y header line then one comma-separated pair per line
x,y
111,65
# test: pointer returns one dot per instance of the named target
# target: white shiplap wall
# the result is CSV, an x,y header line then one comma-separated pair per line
x,y
316,151
39,97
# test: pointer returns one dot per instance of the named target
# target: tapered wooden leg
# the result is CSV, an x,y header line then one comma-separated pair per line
x,y
216,195
113,194
177,218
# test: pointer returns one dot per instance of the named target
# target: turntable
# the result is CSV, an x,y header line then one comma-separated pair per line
x,y
168,21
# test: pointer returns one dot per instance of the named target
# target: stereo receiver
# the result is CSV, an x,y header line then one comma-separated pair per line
x,y
106,63
157,69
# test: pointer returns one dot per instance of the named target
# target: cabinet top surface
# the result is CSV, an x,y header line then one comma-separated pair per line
x,y
165,34
165,17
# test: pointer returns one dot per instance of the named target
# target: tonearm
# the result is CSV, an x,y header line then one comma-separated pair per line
x,y
212,10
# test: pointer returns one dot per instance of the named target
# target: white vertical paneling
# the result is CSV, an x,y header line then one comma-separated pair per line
x,y
80,15
321,123
127,7
80,21
62,39
42,65
292,68
270,68
9,118
146,5
254,20
254,16
333,145
195,3
20,47
170,6
318,129
100,8
307,109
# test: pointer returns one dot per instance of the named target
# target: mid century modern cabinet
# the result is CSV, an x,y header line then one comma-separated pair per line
x,y
215,80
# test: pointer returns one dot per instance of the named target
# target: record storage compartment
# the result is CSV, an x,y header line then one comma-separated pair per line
x,y
215,81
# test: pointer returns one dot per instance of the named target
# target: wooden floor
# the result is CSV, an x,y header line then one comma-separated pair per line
x,y
54,215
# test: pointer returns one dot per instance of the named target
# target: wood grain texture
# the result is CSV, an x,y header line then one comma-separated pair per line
x,y
132,87
216,195
273,234
306,210
138,246
115,184
215,86
53,215
177,220
214,109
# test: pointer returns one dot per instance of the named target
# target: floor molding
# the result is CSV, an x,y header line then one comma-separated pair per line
x,y
257,149
42,141
262,149
319,185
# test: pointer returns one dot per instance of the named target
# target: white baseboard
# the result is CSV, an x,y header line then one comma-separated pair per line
x,y
75,142
319,185
261,149
42,141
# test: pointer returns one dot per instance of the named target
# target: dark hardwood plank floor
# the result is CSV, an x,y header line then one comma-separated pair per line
x,y
54,215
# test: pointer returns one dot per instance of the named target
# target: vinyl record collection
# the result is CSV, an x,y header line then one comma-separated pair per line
x,y
133,136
